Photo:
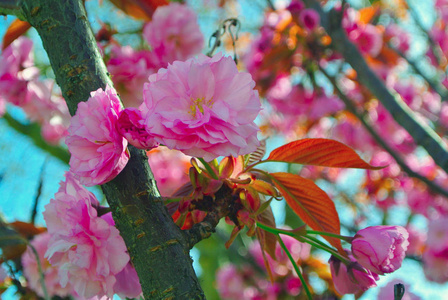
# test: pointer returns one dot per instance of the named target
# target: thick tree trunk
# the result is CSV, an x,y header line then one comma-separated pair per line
x,y
158,248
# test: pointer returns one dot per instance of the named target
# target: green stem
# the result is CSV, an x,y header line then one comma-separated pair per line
x,y
318,244
305,239
296,267
348,239
277,231
209,169
41,272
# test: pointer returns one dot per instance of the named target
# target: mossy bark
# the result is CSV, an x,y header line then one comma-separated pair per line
x,y
158,248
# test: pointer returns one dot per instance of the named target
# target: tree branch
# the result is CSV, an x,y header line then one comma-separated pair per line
x,y
34,133
220,208
434,85
11,7
350,107
422,134
438,53
156,245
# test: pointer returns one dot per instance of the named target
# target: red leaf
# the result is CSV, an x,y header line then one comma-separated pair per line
x,y
268,240
310,203
261,236
16,29
139,9
320,152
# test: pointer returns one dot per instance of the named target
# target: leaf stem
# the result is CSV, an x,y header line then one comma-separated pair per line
x,y
209,169
41,272
318,244
305,286
348,239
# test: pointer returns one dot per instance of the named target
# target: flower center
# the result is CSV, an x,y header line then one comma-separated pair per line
x,y
198,105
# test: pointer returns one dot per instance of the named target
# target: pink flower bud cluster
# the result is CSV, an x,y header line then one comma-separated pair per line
x,y
20,86
376,250
86,249
173,34
367,37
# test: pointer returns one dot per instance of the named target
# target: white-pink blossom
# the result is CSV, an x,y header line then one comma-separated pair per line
x,y
87,249
203,107
173,33
50,273
98,150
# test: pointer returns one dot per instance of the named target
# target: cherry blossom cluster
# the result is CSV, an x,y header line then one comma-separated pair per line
x,y
302,105
375,251
173,34
21,86
203,107
82,253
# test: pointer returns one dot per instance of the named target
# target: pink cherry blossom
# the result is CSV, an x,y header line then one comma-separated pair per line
x,y
130,126
380,249
170,169
230,283
435,265
417,239
309,18
295,7
47,107
98,150
16,70
399,38
173,33
31,270
203,107
351,280
129,70
437,234
88,250
282,266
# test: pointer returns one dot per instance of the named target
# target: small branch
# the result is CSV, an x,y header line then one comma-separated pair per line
x,y
270,4
422,134
11,7
39,191
438,54
220,208
434,85
350,107
33,132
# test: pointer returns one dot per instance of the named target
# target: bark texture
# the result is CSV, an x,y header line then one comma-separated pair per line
x,y
158,248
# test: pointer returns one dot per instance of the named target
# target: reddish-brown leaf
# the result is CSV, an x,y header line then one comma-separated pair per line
x,y
27,230
139,9
310,203
269,240
16,29
320,152
261,236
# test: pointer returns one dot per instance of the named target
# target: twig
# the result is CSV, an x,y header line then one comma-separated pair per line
x,y
39,190
350,107
434,47
11,7
422,134
270,4
33,132
434,85
220,209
